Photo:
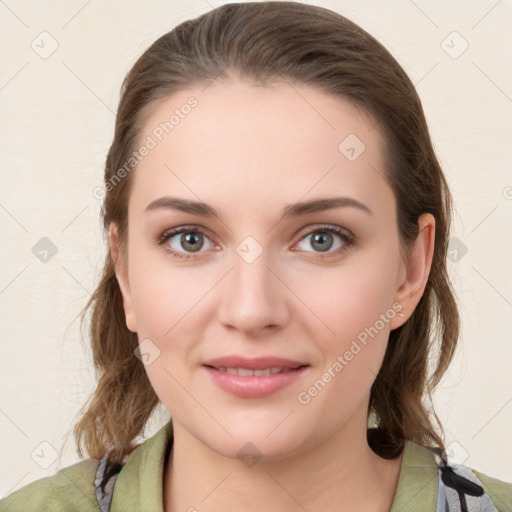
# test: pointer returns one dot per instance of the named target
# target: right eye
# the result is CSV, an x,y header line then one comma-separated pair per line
x,y
190,239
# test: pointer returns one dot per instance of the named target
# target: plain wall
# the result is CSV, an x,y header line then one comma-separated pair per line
x,y
56,124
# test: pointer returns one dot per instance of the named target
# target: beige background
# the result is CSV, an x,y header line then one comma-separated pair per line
x,y
57,114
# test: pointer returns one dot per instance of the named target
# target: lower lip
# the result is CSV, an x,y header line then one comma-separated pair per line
x,y
256,385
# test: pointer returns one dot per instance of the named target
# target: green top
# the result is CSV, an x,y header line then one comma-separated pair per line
x,y
139,485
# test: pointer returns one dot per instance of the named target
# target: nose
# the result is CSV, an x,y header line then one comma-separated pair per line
x,y
254,298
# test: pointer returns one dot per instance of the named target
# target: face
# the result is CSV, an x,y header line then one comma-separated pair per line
x,y
310,292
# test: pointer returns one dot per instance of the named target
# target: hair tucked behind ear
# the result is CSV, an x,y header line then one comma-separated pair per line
x,y
297,43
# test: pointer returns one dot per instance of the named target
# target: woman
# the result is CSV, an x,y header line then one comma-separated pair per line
x,y
278,224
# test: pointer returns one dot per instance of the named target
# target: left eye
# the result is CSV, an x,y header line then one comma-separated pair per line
x,y
322,238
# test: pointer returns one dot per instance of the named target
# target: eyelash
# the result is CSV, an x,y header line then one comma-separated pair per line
x,y
347,237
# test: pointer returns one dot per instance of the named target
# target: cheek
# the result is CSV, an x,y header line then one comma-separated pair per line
x,y
349,299
168,308
164,297
355,312
353,309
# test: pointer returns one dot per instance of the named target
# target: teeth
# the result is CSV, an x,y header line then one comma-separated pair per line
x,y
262,372
246,372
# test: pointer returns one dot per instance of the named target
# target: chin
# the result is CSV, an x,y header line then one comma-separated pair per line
x,y
257,440
258,450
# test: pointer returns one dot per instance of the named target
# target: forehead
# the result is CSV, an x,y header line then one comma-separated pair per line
x,y
235,139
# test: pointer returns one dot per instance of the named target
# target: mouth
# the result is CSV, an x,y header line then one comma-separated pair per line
x,y
252,378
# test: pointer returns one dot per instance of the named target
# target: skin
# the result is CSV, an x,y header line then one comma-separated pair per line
x,y
249,151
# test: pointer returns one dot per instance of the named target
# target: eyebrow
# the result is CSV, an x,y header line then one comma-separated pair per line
x,y
291,210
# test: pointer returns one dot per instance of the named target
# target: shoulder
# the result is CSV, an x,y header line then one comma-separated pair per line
x,y
499,491
428,482
71,489
81,487
473,489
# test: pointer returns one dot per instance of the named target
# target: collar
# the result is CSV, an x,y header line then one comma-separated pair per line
x,y
417,482
140,481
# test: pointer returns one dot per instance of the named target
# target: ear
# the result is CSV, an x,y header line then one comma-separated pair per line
x,y
120,264
415,271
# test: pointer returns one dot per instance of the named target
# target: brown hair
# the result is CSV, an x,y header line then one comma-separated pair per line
x,y
283,41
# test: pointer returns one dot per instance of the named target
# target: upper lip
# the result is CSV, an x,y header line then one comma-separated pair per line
x,y
258,363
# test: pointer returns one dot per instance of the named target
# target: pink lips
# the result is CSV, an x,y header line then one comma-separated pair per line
x,y
269,374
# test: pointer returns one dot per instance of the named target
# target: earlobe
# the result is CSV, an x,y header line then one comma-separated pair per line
x,y
119,260
417,270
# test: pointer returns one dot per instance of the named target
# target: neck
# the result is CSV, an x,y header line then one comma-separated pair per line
x,y
353,479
